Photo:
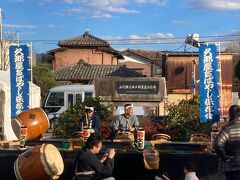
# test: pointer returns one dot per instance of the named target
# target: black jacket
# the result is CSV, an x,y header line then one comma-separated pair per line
x,y
227,146
87,161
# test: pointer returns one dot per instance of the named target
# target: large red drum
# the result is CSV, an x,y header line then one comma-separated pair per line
x,y
42,162
34,119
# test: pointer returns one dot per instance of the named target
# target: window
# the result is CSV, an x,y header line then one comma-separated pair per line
x,y
70,100
88,94
78,98
55,99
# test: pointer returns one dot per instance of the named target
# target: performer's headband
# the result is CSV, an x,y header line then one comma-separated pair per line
x,y
89,108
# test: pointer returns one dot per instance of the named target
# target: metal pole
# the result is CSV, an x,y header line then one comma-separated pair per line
x,y
31,61
220,82
31,74
194,77
1,41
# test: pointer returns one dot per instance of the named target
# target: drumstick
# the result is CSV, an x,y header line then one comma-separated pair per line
x,y
86,119
165,177
82,126
128,125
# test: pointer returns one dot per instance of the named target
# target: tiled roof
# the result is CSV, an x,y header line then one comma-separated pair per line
x,y
152,56
85,71
85,40
147,54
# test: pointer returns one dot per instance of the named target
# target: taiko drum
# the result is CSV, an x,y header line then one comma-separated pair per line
x,y
34,119
42,162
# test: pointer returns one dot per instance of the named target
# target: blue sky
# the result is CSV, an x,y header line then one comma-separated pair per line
x,y
134,24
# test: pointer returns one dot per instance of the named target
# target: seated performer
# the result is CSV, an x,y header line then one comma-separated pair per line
x,y
90,121
126,121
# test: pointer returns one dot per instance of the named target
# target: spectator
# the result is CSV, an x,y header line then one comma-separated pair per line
x,y
88,166
190,174
227,145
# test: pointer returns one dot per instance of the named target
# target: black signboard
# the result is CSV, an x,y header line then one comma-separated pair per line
x,y
137,87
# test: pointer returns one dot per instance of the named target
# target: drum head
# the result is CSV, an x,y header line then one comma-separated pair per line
x,y
16,126
51,160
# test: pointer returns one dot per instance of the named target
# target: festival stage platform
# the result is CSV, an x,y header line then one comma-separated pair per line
x,y
129,163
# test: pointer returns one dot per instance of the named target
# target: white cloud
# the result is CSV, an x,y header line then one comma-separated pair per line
x,y
69,1
138,39
158,2
42,2
217,5
75,10
102,9
101,16
99,9
16,1
51,25
182,22
19,26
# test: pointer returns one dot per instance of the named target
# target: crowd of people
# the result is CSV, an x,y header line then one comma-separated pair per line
x,y
89,166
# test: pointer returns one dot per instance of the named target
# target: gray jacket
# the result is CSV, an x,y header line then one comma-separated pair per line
x,y
227,146
122,124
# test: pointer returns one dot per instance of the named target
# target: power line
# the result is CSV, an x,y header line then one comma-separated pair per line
x,y
144,39
137,43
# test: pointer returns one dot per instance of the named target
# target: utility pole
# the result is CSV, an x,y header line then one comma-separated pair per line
x,y
1,41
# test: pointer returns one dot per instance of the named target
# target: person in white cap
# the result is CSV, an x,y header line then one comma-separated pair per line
x,y
90,120
127,121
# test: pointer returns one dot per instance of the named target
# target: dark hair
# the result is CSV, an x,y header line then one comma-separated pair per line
x,y
234,112
189,166
127,105
93,140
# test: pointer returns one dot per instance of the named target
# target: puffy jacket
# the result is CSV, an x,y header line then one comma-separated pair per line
x,y
227,146
87,161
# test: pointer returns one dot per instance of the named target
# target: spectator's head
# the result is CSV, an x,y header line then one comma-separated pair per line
x,y
128,109
188,167
234,113
89,111
94,143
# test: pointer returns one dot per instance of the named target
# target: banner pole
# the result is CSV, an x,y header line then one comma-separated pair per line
x,y
220,81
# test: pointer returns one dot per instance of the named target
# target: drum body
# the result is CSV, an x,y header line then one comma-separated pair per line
x,y
124,136
34,119
39,163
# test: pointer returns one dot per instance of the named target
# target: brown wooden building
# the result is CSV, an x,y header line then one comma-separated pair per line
x,y
180,68
91,49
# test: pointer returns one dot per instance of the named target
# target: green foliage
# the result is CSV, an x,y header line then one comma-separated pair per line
x,y
184,119
43,77
69,118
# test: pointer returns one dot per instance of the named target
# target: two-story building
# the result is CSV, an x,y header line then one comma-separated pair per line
x,y
87,47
